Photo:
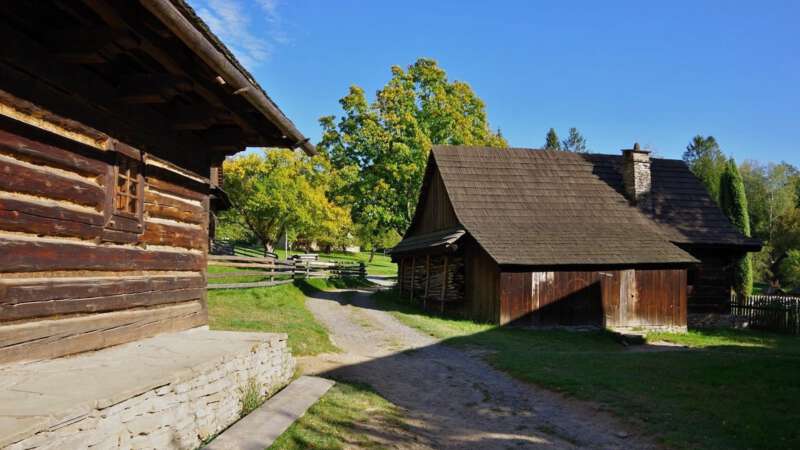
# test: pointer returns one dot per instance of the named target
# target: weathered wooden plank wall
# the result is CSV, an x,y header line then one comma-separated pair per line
x,y
616,298
73,276
436,211
482,284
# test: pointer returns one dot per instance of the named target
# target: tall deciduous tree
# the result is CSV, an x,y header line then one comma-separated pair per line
x,y
380,149
575,142
733,201
707,162
282,190
551,141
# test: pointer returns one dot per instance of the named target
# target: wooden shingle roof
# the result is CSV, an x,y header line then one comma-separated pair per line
x,y
549,208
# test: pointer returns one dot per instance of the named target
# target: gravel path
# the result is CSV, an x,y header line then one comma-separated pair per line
x,y
451,398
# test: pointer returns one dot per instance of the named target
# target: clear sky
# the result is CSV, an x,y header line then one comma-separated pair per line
x,y
620,71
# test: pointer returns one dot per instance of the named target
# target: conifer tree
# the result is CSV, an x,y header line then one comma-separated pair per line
x,y
733,201
551,141
575,142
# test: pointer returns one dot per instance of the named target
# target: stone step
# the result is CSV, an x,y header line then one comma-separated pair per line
x,y
259,429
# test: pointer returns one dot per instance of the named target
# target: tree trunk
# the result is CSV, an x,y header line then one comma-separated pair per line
x,y
268,247
371,253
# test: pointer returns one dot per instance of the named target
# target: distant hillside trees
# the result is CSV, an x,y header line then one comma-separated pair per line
x,y
380,148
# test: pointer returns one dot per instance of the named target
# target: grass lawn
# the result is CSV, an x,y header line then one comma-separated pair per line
x,y
276,309
733,389
342,418
380,265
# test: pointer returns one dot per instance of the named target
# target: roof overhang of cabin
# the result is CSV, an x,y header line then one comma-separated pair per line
x,y
148,73
437,241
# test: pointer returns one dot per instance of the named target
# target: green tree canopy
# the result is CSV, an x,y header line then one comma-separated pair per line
x,y
733,201
282,190
551,141
707,162
575,142
380,149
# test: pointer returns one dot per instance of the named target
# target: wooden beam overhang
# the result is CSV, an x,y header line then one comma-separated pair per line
x,y
129,74
177,22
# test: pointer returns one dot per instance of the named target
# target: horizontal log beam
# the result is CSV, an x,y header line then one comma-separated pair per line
x,y
162,206
46,339
39,255
48,308
178,236
40,153
20,220
15,177
14,291
176,190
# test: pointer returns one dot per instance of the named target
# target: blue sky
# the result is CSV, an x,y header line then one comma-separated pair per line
x,y
620,71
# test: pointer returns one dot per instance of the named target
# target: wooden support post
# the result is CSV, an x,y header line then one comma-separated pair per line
x,y
400,274
444,282
427,278
413,273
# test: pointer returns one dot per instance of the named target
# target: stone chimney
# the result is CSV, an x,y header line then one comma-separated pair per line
x,y
636,176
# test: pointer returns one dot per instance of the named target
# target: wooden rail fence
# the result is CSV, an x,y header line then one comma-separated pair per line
x,y
279,271
768,312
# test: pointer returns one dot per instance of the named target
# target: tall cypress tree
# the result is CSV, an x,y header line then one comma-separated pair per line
x,y
733,201
551,141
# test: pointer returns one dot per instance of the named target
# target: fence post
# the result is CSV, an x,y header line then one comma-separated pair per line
x,y
362,270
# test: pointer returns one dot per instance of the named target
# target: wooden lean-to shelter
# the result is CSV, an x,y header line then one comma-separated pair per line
x,y
551,237
112,116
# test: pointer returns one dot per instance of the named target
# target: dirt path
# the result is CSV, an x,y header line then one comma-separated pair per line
x,y
451,398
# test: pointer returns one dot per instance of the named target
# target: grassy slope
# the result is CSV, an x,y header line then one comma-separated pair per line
x,y
276,309
735,389
380,265
333,422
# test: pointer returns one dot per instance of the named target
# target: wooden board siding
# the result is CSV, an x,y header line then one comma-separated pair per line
x,y
436,211
482,284
615,298
71,281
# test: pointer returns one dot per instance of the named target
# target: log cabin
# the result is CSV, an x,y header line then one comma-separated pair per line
x,y
559,238
113,118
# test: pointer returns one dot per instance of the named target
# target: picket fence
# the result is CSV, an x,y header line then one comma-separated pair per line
x,y
768,312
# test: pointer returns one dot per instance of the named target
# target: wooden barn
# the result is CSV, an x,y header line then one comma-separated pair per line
x,y
113,118
551,237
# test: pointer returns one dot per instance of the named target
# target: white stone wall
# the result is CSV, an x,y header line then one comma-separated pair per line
x,y
183,414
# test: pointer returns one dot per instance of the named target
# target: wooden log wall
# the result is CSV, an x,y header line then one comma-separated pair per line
x,y
73,275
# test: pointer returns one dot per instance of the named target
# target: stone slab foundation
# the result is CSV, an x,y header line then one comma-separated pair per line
x,y
187,408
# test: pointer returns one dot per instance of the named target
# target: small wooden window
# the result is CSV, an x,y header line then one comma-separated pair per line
x,y
126,190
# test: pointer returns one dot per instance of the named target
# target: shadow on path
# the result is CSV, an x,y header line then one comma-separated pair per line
x,y
451,398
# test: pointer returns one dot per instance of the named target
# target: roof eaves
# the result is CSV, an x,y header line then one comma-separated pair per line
x,y
182,20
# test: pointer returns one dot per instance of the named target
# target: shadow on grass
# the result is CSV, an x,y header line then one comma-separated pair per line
x,y
732,389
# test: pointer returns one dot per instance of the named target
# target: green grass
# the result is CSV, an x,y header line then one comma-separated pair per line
x,y
272,309
338,420
380,265
733,389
